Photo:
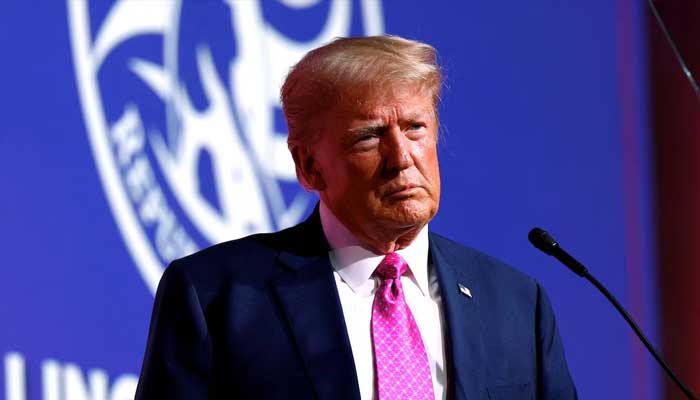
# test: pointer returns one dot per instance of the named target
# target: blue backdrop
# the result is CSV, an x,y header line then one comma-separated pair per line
x,y
134,132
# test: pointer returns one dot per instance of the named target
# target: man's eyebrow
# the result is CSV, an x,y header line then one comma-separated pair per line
x,y
368,126
372,122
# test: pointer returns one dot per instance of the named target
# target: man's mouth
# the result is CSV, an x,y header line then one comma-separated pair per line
x,y
405,190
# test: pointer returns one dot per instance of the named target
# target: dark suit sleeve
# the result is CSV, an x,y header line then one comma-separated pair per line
x,y
554,381
177,360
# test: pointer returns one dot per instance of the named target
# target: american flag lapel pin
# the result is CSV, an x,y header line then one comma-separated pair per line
x,y
464,290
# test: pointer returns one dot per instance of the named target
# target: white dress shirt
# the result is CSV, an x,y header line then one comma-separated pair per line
x,y
354,266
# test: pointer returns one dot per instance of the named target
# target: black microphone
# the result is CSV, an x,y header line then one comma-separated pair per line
x,y
546,243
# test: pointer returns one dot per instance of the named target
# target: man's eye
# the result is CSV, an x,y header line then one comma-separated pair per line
x,y
366,136
415,127
364,142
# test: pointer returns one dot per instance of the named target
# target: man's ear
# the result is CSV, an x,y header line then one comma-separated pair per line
x,y
307,169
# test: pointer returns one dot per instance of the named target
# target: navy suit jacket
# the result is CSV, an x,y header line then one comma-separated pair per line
x,y
260,318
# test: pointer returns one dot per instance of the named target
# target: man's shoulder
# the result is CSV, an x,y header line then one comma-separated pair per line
x,y
256,245
252,258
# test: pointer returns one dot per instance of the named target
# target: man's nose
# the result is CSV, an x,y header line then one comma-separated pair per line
x,y
397,150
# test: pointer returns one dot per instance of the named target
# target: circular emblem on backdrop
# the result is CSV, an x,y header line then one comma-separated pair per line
x,y
181,105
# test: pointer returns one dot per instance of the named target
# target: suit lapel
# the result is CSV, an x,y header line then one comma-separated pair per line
x,y
309,298
462,316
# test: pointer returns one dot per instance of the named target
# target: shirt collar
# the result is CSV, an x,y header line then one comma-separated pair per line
x,y
355,264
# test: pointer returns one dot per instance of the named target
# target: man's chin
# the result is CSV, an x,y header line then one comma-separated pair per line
x,y
407,215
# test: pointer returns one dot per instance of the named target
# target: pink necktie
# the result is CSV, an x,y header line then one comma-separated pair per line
x,y
400,361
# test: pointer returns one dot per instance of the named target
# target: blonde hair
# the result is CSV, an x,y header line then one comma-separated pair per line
x,y
332,73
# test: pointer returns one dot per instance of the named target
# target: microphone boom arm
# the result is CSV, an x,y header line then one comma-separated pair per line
x,y
546,243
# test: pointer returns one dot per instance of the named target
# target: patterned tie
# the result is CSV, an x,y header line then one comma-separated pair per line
x,y
400,360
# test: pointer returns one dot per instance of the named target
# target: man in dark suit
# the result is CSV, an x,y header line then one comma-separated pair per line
x,y
360,301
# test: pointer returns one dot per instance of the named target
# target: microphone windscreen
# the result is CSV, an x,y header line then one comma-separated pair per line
x,y
542,240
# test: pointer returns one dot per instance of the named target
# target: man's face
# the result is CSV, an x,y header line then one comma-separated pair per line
x,y
378,161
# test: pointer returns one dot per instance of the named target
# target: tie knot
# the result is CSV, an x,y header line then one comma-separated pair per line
x,y
391,267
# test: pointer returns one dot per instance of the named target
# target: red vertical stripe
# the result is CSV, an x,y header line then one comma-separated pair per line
x,y
676,127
